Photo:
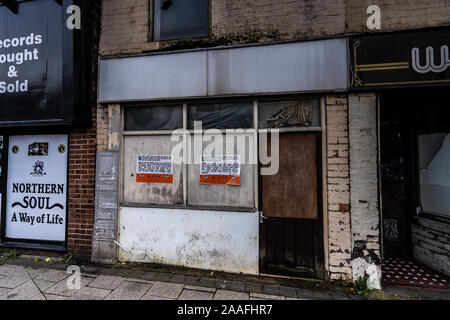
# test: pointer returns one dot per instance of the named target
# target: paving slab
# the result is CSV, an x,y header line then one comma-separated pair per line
x,y
55,297
53,275
150,297
44,284
230,295
107,282
272,289
266,296
7,269
304,294
4,290
254,287
129,291
207,282
167,290
157,276
197,288
33,273
320,295
195,295
237,286
135,274
14,280
62,288
25,291
40,296
222,284
88,293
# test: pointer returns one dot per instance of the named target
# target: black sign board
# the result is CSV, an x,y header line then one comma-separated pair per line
x,y
44,65
400,59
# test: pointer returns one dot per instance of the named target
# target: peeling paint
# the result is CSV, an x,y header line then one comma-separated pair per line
x,y
223,241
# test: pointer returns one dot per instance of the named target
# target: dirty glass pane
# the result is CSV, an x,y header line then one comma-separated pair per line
x,y
154,118
434,157
178,19
222,116
292,113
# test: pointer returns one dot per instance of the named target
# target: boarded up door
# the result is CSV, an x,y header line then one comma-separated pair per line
x,y
291,234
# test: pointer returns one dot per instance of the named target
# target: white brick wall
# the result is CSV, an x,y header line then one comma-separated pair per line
x,y
365,217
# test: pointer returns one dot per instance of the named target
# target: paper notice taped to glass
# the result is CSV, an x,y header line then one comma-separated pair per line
x,y
220,169
154,168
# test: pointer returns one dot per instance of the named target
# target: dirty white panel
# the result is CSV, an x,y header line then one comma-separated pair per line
x,y
213,240
150,193
153,77
225,195
293,67
281,68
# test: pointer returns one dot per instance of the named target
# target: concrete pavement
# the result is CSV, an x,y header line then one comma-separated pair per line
x,y
27,278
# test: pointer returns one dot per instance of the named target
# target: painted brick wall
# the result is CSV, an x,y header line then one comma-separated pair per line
x,y
278,20
338,184
126,23
102,128
399,15
363,181
431,244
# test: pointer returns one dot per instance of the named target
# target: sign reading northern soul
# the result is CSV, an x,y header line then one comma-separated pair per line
x,y
43,68
36,201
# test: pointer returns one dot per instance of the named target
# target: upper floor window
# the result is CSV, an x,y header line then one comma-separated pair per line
x,y
180,19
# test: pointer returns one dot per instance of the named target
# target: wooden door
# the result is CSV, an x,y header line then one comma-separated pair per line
x,y
291,231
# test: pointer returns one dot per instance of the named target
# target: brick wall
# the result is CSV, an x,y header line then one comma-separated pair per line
x,y
431,244
81,171
126,23
277,20
364,181
82,148
399,15
338,184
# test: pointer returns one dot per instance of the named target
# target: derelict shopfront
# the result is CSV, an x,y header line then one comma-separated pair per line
x,y
216,209
410,71
44,93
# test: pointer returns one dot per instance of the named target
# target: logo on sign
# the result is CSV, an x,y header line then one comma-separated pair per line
x,y
38,169
430,65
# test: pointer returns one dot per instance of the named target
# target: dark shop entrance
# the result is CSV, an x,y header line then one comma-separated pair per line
x,y
415,182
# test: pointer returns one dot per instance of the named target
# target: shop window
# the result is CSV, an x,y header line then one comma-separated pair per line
x,y
154,118
180,19
434,163
222,159
222,116
292,113
161,192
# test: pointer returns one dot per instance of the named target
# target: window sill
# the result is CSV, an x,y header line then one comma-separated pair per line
x,y
183,207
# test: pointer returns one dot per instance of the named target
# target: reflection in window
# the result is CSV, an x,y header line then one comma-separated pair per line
x,y
179,19
284,114
434,162
154,118
222,116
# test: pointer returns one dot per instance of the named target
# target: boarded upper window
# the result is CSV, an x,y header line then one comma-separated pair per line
x,y
179,19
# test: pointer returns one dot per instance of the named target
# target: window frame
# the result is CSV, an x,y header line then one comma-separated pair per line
x,y
186,132
154,27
